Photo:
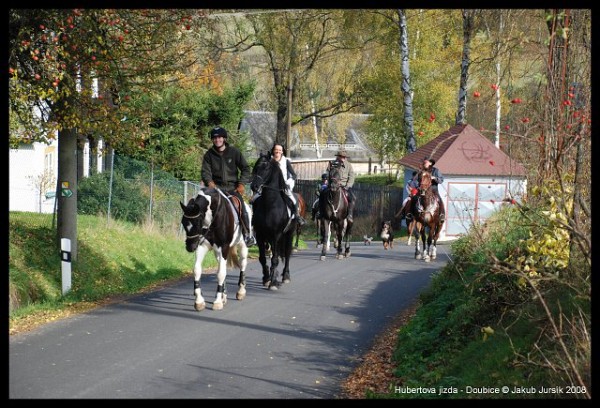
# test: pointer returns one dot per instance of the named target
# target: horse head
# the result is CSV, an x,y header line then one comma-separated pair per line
x,y
425,181
196,218
334,182
259,171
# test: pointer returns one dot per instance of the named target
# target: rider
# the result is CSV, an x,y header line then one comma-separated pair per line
x,y
322,185
436,178
346,178
225,166
289,175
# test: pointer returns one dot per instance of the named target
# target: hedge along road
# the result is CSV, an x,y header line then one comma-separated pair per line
x,y
301,341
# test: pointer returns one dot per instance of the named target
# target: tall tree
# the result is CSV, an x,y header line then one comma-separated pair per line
x,y
294,46
54,57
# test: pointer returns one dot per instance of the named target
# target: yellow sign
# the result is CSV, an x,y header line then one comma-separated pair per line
x,y
65,184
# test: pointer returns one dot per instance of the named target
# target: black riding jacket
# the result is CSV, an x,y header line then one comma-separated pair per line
x,y
222,167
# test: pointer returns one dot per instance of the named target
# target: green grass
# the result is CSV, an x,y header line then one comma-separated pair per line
x,y
118,259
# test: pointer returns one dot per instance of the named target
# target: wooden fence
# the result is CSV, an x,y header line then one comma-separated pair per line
x,y
377,203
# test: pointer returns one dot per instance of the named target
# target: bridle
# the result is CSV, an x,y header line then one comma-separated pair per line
x,y
203,230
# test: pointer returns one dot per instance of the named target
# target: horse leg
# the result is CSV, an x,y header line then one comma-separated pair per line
x,y
426,244
274,282
221,297
285,278
199,303
411,229
347,252
339,231
418,254
326,234
243,259
298,232
262,258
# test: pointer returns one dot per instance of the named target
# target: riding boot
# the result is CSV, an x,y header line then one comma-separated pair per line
x,y
301,221
248,237
350,217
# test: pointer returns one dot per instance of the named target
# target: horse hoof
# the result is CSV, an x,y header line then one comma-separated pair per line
x,y
199,306
287,280
240,296
218,306
323,257
267,283
273,287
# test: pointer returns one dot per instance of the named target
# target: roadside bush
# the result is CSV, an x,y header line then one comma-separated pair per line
x,y
127,203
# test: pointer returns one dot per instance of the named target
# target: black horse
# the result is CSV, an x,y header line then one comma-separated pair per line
x,y
333,208
272,222
210,222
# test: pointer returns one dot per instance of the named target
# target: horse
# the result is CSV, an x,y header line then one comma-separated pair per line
x,y
272,221
210,222
426,212
333,208
410,225
319,224
302,212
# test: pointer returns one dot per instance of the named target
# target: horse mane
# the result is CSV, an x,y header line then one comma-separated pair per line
x,y
266,168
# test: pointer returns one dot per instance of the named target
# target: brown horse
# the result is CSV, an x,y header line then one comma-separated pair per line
x,y
425,209
302,212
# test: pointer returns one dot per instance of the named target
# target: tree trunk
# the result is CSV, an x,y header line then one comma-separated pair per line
x,y
464,67
409,132
67,194
558,23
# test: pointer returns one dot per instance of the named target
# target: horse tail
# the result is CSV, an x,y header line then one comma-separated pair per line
x,y
233,258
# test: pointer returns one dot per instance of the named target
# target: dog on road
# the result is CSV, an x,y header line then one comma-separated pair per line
x,y
367,239
387,235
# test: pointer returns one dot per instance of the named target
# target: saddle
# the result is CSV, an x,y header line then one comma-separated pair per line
x,y
237,205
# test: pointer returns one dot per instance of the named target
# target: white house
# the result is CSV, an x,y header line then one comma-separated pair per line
x,y
477,176
33,171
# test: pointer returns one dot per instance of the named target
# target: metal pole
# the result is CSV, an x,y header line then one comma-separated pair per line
x,y
112,167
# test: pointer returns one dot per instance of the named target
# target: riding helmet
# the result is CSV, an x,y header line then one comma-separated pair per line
x,y
324,176
218,131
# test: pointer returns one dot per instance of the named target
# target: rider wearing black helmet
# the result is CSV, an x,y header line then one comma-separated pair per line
x,y
225,166
322,185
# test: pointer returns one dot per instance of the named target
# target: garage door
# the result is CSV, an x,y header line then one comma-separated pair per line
x,y
471,202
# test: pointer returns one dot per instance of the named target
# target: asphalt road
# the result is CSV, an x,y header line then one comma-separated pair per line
x,y
299,342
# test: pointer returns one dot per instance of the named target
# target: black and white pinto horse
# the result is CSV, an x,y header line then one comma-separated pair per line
x,y
333,209
211,222
272,220
426,214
